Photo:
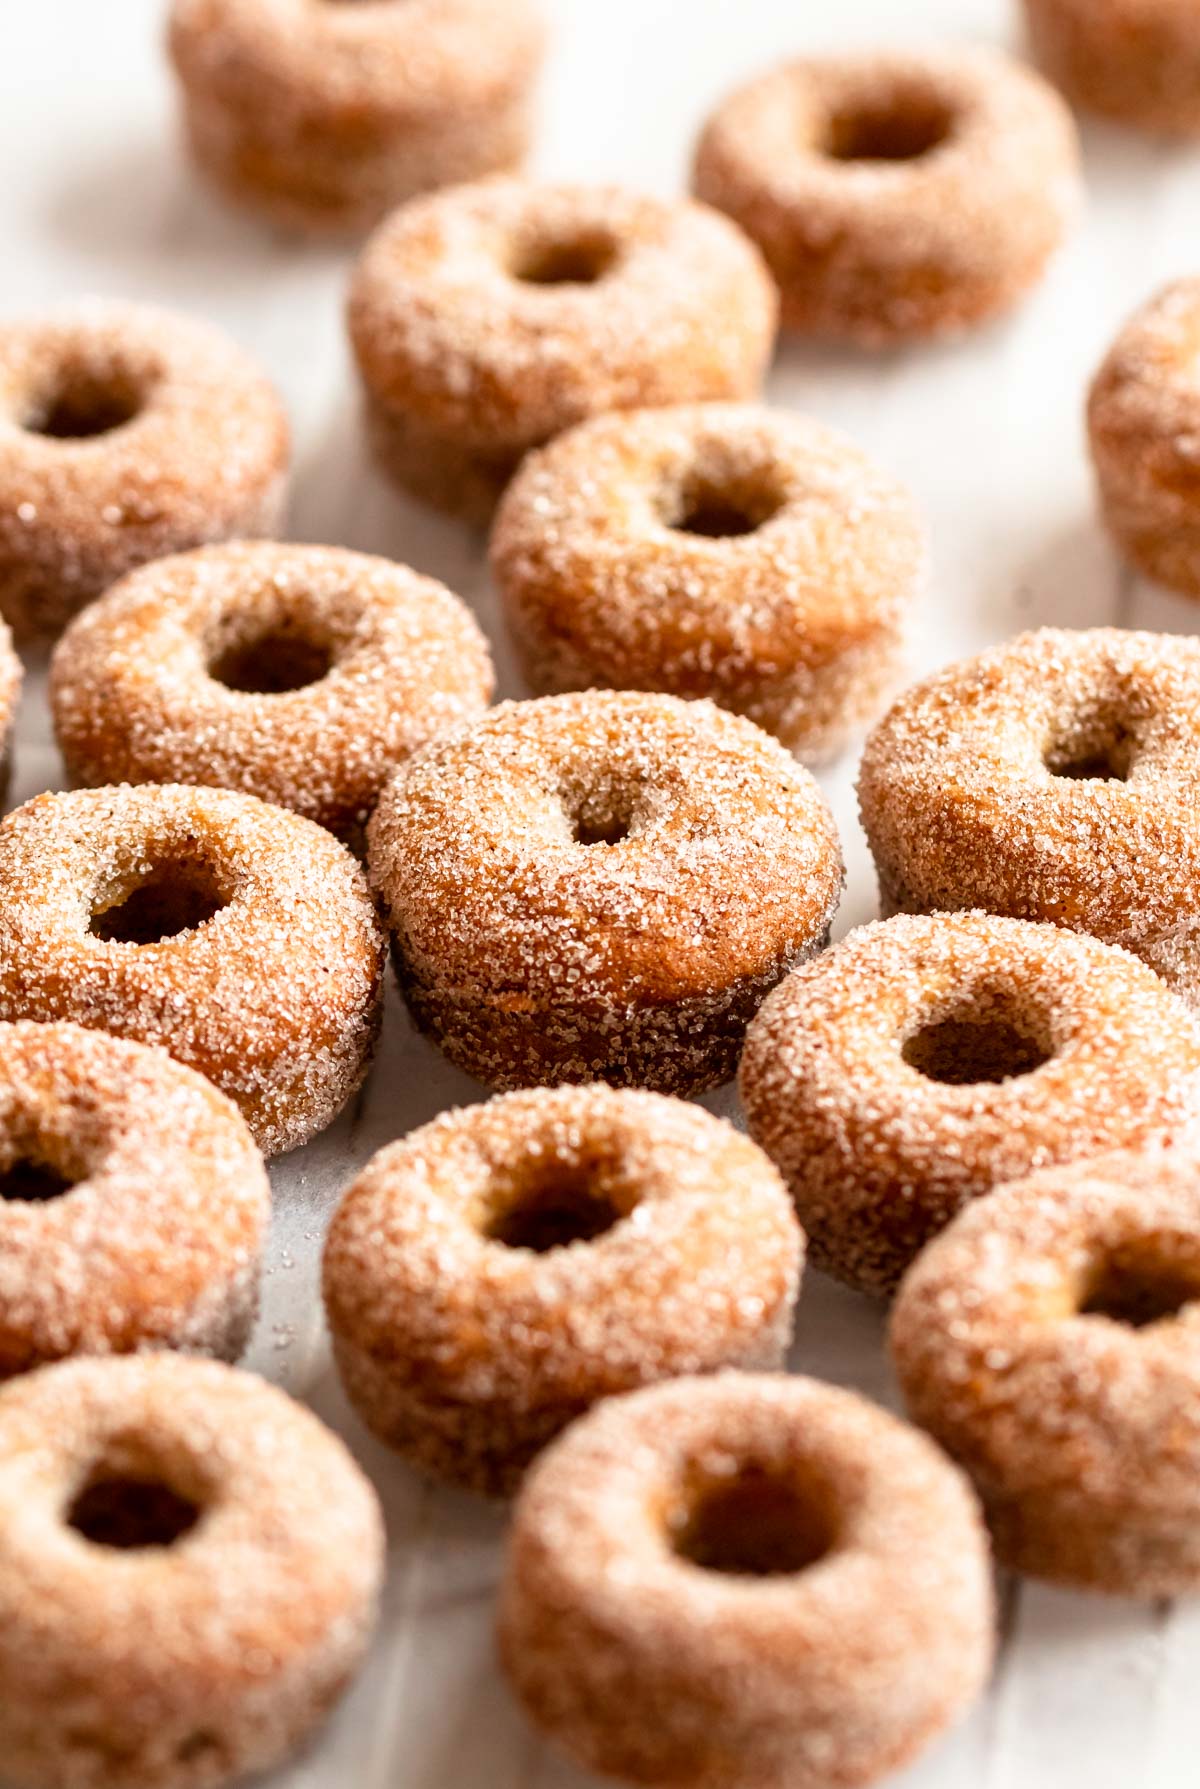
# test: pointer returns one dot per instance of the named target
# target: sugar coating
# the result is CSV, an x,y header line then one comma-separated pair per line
x,y
644,1666
323,117
203,456
895,195
136,699
1080,1430
186,1666
532,957
1144,428
276,998
962,805
1137,61
469,1354
797,624
878,1155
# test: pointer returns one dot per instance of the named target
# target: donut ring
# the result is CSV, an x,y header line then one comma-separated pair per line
x,y
323,117
926,1060
189,1572
745,1582
505,1267
487,319
895,196
601,886
126,433
303,675
713,550
1142,418
1054,778
1049,1340
240,937
133,1203
1136,61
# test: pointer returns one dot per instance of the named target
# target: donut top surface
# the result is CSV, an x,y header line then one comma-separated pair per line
x,y
1145,399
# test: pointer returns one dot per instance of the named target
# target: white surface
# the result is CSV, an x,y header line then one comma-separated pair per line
x,y
1088,1694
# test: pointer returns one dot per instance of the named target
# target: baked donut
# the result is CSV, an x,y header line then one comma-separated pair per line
x,y
899,195
1135,61
745,1582
237,935
133,1203
1143,416
503,1268
486,319
1055,778
601,886
189,1572
300,674
712,550
322,117
1050,1340
126,433
926,1060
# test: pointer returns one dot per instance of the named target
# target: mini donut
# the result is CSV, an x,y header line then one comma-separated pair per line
x,y
239,936
300,674
133,1203
1143,423
1135,61
1054,778
1050,1340
487,319
503,1268
601,886
324,116
896,196
926,1060
745,1582
189,1574
126,433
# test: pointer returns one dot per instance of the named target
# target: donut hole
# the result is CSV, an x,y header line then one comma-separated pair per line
x,y
901,127
1137,1288
272,663
600,814
988,1036
82,405
757,1524
172,898
581,259
132,1504
553,1207
1094,748
29,1180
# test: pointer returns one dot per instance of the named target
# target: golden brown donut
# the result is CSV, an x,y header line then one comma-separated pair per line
x,y
133,1202
324,116
126,433
713,550
189,1572
1143,414
1050,1340
601,886
926,1060
239,936
503,1268
895,195
1055,778
487,319
745,1582
300,674
1135,61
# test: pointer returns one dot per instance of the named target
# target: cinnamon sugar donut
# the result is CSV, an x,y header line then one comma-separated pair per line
x,y
323,116
237,935
712,550
896,195
926,1060
486,319
126,433
1055,778
745,1582
133,1203
1136,61
601,886
1143,422
300,674
501,1269
1050,1340
189,1572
